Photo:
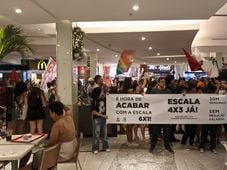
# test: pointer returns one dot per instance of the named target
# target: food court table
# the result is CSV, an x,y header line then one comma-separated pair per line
x,y
17,148
14,153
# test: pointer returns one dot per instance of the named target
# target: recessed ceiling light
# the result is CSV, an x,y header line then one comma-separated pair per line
x,y
175,61
116,55
135,7
18,11
150,48
143,38
158,53
38,29
167,58
97,49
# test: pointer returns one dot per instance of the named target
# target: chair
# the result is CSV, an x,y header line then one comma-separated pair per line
x,y
3,164
49,159
25,160
225,160
27,167
75,159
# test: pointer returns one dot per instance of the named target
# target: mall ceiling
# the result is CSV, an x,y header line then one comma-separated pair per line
x,y
38,16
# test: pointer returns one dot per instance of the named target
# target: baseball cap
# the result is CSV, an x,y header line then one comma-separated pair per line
x,y
90,79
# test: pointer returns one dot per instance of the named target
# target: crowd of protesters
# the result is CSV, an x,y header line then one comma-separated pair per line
x,y
29,103
198,135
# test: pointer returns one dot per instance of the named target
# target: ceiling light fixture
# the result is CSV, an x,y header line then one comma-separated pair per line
x,y
150,48
135,7
38,29
167,58
97,49
143,38
18,11
175,61
158,54
116,55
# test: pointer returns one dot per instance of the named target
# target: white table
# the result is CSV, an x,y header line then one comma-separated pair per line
x,y
14,153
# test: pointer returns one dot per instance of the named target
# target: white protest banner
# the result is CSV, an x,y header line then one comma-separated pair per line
x,y
166,109
49,74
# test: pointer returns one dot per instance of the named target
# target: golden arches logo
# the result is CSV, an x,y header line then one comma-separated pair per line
x,y
41,65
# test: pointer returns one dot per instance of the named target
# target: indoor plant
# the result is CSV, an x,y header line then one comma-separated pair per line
x,y
13,40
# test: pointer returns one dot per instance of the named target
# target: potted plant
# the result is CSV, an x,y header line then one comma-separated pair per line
x,y
13,40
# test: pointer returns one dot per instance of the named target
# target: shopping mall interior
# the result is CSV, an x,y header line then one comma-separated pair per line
x,y
156,32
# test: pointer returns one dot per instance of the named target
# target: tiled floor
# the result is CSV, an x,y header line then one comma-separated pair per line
x,y
123,157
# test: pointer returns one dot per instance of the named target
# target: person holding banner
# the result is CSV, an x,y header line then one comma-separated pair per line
x,y
140,90
98,110
154,129
190,130
222,89
99,120
127,89
212,128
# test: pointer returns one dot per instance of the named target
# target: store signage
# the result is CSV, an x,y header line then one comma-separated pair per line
x,y
41,65
175,109
50,73
160,68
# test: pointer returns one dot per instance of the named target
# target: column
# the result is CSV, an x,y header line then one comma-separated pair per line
x,y
92,57
101,69
64,62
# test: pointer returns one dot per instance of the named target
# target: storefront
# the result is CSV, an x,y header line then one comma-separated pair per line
x,y
6,70
36,70
160,70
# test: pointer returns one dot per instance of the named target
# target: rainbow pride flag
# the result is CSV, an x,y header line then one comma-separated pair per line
x,y
125,61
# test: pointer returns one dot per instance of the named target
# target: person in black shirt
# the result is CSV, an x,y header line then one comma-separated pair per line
x,y
154,129
98,110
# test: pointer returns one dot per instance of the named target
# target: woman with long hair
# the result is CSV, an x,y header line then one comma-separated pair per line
x,y
36,109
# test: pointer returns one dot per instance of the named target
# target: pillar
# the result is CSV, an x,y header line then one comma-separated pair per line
x,y
92,59
64,62
101,69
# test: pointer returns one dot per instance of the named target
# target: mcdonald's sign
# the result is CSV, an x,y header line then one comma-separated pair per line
x,y
41,65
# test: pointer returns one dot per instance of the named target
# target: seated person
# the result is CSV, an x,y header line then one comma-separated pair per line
x,y
63,130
